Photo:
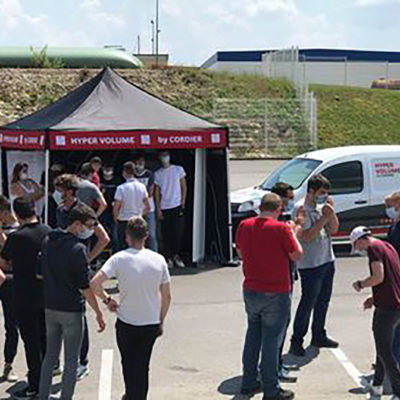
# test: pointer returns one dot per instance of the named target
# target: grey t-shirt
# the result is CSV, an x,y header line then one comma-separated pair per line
x,y
319,251
88,193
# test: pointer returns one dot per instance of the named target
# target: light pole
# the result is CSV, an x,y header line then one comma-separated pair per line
x,y
152,36
157,29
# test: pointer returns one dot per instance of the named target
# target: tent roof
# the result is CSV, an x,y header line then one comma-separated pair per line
x,y
110,103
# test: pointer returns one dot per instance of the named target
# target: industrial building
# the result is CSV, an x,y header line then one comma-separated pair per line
x,y
320,66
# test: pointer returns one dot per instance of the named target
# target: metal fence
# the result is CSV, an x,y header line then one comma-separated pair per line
x,y
268,127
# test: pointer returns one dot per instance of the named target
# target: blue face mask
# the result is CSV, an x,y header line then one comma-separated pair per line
x,y
321,199
290,206
392,213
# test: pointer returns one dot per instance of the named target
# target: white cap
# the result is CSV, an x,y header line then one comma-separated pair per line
x,y
358,233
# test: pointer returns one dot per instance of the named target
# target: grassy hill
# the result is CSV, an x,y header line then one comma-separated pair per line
x,y
353,116
345,115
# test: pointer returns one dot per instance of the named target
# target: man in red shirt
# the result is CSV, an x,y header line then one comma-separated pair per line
x,y
384,280
266,247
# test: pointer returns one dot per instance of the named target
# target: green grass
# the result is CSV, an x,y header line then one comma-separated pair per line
x,y
355,116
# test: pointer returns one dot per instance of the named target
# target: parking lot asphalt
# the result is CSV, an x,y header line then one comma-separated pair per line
x,y
199,356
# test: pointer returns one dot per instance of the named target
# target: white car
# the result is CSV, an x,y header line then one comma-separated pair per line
x,y
360,176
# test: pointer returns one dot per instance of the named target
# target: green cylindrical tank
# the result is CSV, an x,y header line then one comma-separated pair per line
x,y
70,57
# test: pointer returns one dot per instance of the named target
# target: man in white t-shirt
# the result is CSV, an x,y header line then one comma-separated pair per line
x,y
131,200
170,195
145,297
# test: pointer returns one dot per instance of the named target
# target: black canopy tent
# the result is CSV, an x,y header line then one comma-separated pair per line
x,y
108,113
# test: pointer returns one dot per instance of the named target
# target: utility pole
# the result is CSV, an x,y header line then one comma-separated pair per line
x,y
138,44
152,36
157,29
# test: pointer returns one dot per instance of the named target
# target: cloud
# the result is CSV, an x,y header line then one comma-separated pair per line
x,y
100,17
364,3
14,16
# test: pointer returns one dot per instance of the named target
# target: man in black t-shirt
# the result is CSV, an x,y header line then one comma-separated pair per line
x,y
20,252
64,268
109,184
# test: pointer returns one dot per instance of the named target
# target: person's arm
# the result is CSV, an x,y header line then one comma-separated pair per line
x,y
146,206
165,290
376,278
102,241
16,190
116,209
38,193
157,199
91,299
5,265
183,191
102,204
296,255
96,285
333,224
309,234
2,277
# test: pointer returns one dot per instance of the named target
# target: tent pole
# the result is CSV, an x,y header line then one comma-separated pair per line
x,y
46,186
231,261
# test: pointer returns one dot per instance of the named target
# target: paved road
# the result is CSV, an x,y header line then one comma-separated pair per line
x,y
199,357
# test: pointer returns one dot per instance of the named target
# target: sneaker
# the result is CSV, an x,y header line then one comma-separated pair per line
x,y
178,262
375,392
297,349
251,391
284,376
58,371
325,343
8,374
26,394
170,264
281,395
82,372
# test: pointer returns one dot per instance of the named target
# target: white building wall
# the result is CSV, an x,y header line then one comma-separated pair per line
x,y
321,72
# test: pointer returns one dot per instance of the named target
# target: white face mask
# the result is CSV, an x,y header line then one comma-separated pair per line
x,y
362,253
391,212
290,205
58,197
23,176
85,234
139,168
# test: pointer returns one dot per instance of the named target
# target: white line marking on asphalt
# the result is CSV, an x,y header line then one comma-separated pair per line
x,y
106,374
350,368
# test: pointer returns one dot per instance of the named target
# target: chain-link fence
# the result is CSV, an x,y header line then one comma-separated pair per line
x,y
268,127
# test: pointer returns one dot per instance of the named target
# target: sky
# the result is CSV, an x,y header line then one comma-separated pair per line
x,y
193,30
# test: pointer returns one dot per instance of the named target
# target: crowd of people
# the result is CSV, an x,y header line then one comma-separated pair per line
x,y
45,270
298,241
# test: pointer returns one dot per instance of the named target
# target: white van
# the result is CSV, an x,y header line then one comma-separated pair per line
x,y
361,176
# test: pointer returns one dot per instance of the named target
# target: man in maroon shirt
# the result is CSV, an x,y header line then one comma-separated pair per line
x,y
266,247
384,280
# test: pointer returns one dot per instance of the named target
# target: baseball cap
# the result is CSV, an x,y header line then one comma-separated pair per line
x,y
358,233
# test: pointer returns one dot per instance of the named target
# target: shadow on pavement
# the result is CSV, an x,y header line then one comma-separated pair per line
x,y
311,354
231,387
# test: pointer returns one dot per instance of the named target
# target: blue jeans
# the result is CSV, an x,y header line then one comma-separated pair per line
x,y
396,345
111,227
267,315
152,222
316,293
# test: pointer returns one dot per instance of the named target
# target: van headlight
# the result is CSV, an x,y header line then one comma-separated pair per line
x,y
246,206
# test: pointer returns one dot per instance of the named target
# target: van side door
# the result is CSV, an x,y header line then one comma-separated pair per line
x,y
350,191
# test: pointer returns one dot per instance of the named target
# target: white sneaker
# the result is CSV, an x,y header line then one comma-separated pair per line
x,y
178,262
8,374
375,392
171,264
82,372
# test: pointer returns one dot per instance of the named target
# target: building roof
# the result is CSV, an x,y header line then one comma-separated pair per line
x,y
309,54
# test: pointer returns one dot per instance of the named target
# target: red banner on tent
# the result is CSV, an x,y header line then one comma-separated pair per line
x,y
138,140
27,140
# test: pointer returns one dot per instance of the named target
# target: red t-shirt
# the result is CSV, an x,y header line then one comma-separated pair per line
x,y
265,245
387,294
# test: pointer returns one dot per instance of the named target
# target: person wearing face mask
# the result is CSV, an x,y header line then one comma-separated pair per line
x,y
131,200
317,267
145,176
109,184
170,196
20,253
68,185
266,246
23,186
64,269
384,279
8,224
286,193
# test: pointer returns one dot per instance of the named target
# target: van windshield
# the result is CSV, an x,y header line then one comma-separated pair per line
x,y
293,172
